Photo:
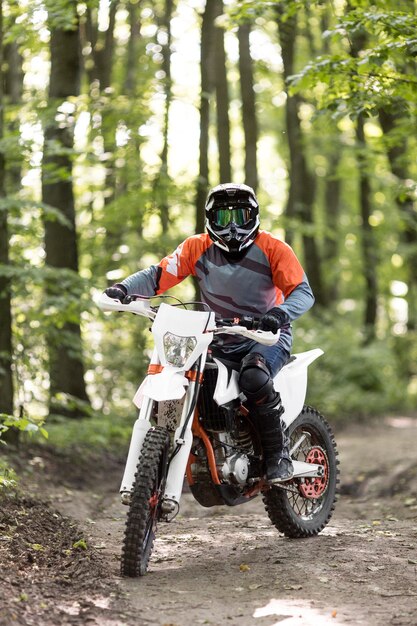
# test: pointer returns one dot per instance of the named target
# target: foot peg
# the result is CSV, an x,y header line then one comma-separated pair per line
x,y
278,469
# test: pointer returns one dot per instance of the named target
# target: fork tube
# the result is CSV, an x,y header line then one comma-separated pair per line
x,y
178,465
140,428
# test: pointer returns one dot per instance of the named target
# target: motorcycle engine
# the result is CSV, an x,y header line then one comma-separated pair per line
x,y
232,465
235,469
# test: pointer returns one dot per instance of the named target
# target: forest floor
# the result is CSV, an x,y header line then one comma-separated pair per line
x,y
60,557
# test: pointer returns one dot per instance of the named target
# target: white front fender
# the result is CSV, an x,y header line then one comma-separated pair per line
x,y
169,384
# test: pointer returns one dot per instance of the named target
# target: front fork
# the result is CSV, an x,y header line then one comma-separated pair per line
x,y
182,441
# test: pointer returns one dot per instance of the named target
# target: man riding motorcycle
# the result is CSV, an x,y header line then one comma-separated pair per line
x,y
241,271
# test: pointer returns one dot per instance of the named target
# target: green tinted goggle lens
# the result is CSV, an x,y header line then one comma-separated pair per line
x,y
239,216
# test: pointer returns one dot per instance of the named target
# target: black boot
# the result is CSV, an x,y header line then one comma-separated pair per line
x,y
275,443
264,403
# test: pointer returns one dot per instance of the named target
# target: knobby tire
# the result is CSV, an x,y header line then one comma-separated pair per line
x,y
290,512
144,510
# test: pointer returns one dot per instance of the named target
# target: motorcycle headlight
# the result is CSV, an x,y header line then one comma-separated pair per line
x,y
177,349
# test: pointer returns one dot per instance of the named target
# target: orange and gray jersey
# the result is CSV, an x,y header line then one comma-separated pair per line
x,y
268,275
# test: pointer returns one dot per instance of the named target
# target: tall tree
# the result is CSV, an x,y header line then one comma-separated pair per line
x,y
301,195
66,365
206,89
368,243
249,119
133,44
6,378
222,99
161,183
398,156
99,65
101,43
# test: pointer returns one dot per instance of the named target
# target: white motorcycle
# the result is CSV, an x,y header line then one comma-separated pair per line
x,y
193,423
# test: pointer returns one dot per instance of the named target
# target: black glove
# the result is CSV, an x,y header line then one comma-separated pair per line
x,y
273,320
118,292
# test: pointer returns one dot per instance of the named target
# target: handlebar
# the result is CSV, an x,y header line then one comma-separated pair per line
x,y
245,326
139,305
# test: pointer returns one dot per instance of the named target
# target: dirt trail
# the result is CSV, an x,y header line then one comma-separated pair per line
x,y
230,566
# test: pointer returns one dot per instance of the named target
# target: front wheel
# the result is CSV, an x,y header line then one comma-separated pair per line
x,y
303,506
144,508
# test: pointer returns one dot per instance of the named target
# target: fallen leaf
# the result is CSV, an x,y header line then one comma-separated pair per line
x,y
244,568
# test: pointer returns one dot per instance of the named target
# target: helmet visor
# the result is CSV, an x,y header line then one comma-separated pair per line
x,y
225,216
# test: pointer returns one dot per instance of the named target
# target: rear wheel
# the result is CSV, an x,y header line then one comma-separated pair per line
x,y
303,506
144,509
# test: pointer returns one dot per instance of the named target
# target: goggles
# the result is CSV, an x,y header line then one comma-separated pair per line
x,y
238,215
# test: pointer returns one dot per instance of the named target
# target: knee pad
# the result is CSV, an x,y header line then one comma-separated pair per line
x,y
255,379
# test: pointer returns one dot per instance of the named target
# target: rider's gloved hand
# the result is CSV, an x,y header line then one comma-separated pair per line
x,y
118,292
273,320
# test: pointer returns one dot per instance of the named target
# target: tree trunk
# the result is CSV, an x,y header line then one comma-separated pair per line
x,y
332,197
102,46
398,158
132,47
249,119
99,68
6,377
161,183
299,210
368,243
13,74
369,257
66,364
207,85
222,100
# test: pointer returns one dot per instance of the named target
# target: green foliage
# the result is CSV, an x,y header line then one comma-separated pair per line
x,y
352,380
8,478
119,188
62,15
95,433
22,423
380,75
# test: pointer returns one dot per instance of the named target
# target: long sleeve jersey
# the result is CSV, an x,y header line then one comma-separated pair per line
x,y
268,275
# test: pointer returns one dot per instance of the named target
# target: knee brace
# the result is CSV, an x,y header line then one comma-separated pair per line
x,y
255,380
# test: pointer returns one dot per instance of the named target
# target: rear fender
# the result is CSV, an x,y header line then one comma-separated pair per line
x,y
291,383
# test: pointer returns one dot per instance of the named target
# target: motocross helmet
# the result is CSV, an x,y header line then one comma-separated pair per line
x,y
232,216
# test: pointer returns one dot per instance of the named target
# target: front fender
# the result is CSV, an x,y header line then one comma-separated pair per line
x,y
169,384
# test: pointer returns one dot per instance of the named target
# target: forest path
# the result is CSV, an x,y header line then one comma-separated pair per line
x,y
230,566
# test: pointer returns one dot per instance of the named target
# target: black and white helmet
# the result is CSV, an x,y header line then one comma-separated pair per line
x,y
232,216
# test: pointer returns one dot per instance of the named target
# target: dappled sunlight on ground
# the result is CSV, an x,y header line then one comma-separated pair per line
x,y
295,613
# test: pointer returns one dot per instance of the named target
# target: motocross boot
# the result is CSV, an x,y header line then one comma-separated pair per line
x,y
264,403
275,443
